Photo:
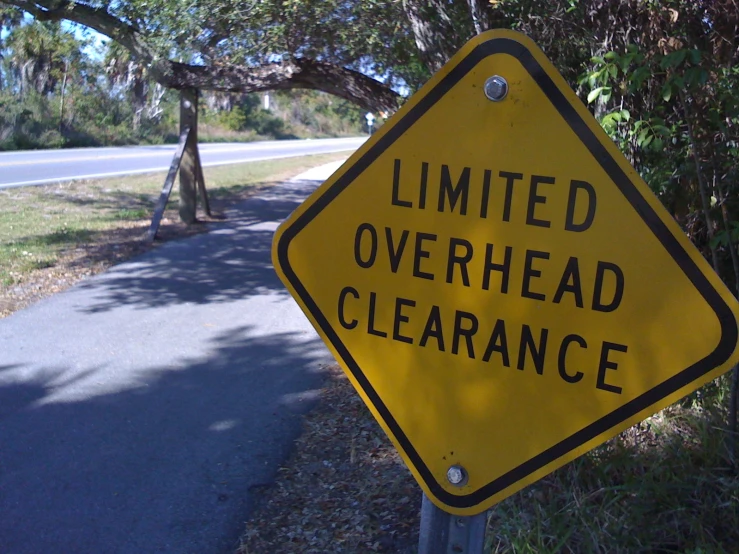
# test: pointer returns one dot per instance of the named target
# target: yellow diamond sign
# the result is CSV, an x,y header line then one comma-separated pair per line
x,y
502,289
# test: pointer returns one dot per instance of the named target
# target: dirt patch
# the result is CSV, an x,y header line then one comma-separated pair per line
x,y
53,236
88,258
344,490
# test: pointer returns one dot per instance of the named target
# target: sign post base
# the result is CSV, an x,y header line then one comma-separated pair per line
x,y
444,533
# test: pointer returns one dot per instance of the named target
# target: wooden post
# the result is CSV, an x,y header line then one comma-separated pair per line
x,y
187,161
188,165
167,188
201,184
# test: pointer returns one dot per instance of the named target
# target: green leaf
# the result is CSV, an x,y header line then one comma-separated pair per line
x,y
642,137
695,56
601,75
673,59
611,55
666,93
716,240
678,57
613,70
626,115
595,93
607,122
691,76
639,75
598,60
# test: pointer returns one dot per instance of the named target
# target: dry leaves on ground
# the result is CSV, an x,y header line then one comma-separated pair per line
x,y
344,490
85,259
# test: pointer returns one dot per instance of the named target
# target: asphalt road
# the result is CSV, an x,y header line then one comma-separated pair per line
x,y
36,167
145,409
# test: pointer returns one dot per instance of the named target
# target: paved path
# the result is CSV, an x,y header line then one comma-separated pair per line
x,y
142,410
36,167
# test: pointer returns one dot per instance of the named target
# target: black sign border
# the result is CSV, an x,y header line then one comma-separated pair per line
x,y
723,312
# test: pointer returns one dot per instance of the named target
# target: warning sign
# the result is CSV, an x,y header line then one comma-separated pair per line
x,y
501,287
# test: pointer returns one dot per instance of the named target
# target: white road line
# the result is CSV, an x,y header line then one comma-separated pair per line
x,y
155,170
103,157
204,147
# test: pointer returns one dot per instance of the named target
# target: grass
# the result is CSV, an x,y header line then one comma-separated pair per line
x,y
668,484
40,225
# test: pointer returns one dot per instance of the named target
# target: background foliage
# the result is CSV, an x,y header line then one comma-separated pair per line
x,y
59,88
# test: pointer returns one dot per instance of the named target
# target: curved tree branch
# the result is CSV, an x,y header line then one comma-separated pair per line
x,y
301,73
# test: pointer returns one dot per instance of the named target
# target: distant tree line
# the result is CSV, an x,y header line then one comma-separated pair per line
x,y
60,88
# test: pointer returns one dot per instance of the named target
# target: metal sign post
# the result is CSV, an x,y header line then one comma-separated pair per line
x,y
444,533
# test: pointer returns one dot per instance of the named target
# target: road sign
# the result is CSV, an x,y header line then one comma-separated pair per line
x,y
370,121
498,283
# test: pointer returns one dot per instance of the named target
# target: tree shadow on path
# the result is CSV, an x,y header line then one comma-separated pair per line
x,y
171,465
231,262
143,410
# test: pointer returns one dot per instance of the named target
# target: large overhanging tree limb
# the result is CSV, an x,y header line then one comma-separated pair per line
x,y
298,73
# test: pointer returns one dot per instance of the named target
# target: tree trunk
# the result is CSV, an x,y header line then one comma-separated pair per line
x,y
188,169
154,109
479,16
138,99
430,34
61,100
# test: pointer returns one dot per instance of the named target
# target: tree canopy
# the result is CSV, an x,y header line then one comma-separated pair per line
x,y
660,75
238,46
